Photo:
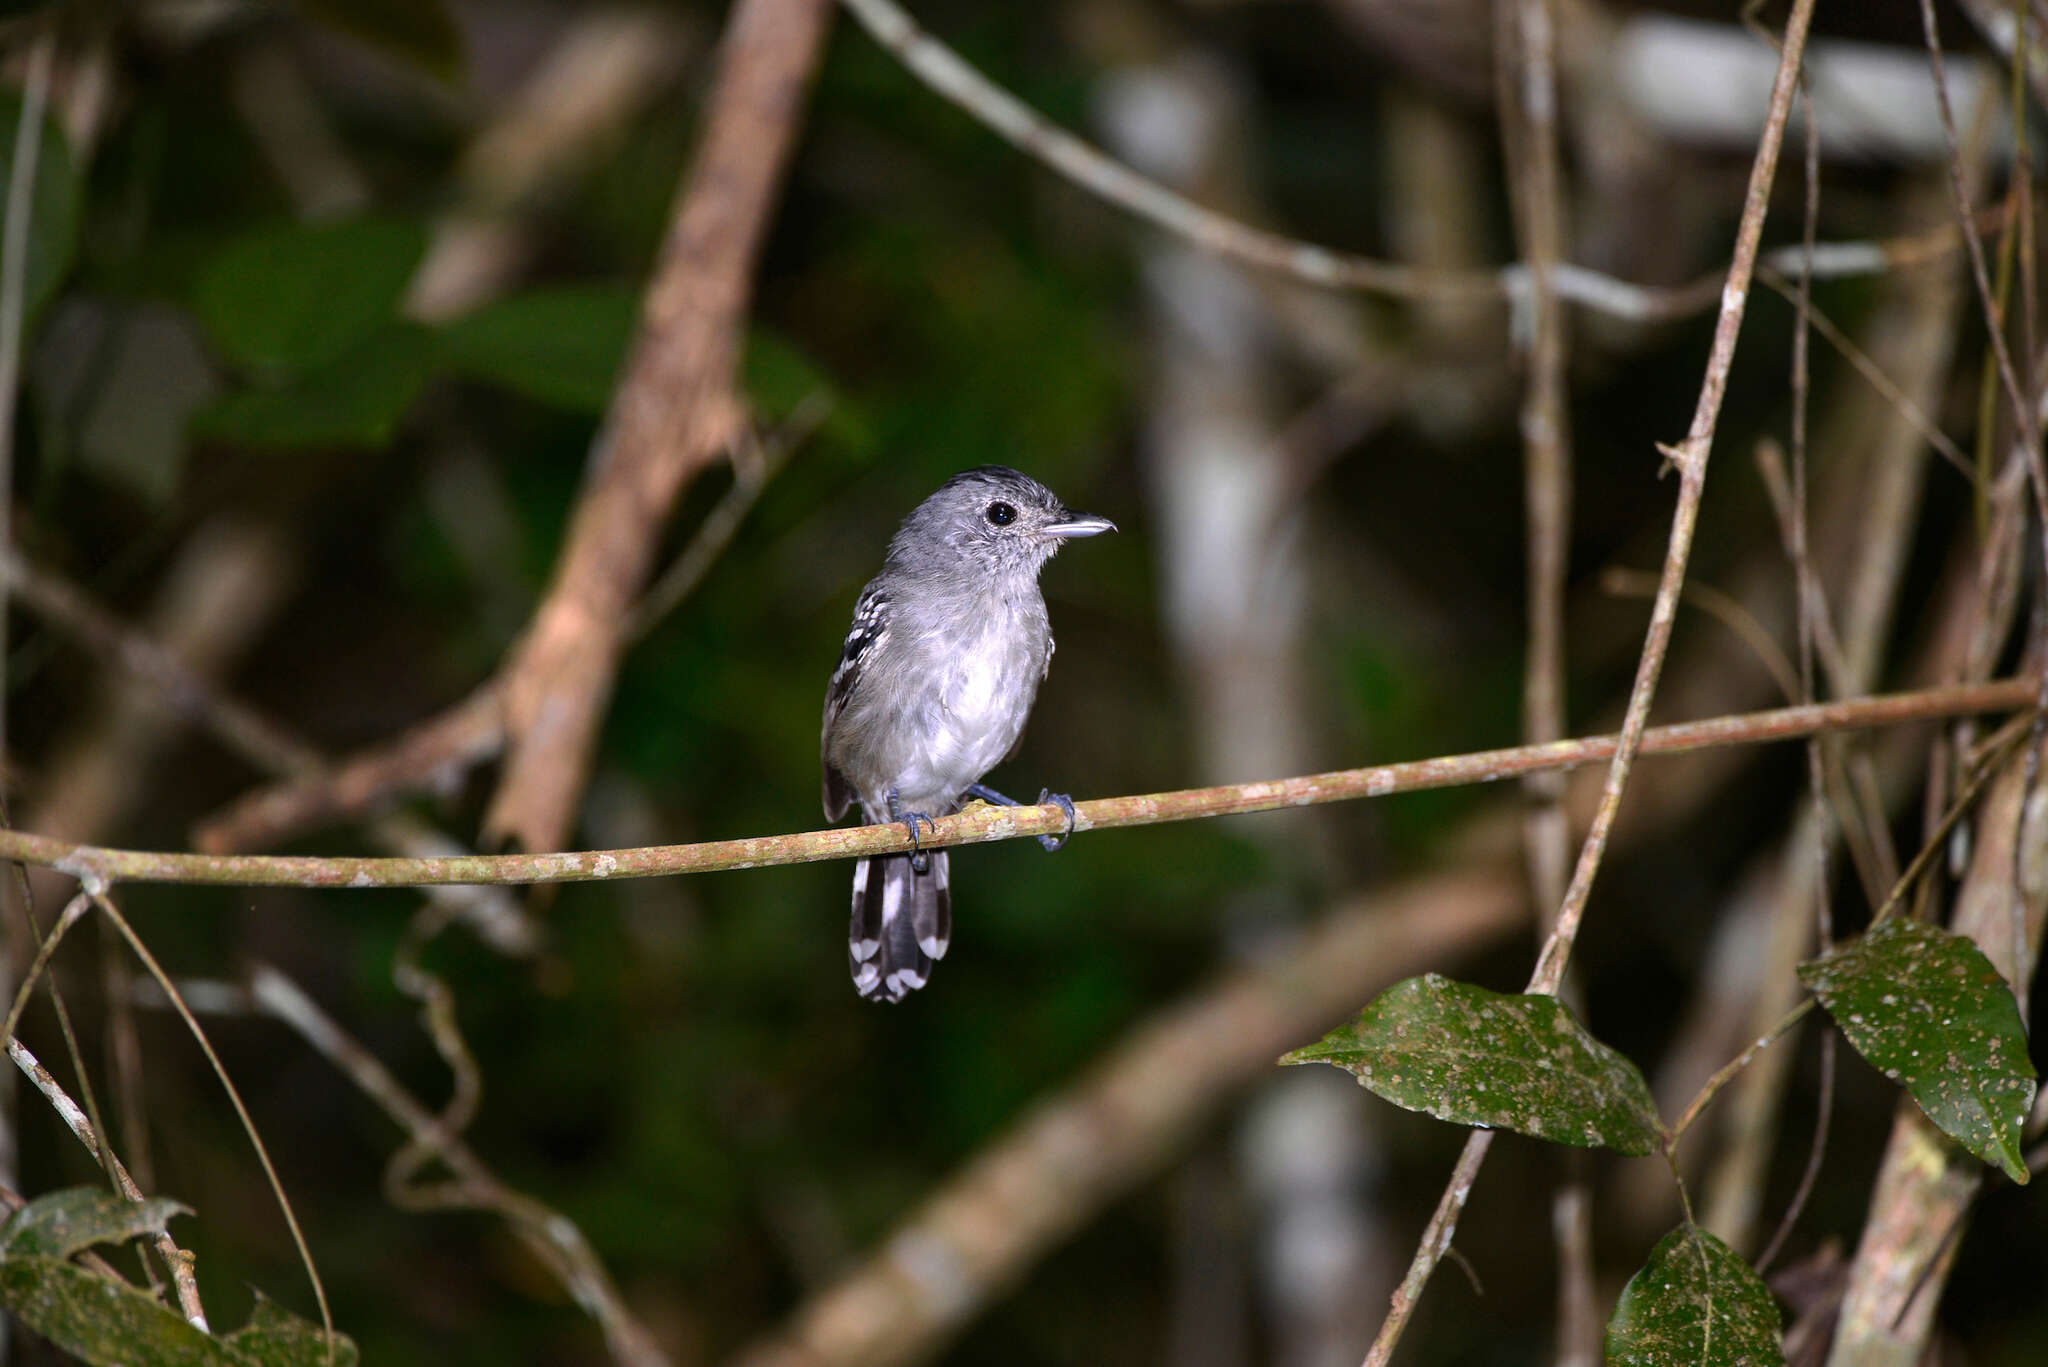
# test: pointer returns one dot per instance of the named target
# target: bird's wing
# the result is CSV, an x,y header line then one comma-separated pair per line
x,y
870,628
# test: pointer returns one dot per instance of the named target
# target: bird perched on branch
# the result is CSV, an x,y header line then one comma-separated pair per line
x,y
948,645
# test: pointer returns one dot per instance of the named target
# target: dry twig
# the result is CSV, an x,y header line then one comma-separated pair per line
x,y
1528,105
982,823
1690,459
951,76
673,414
553,1237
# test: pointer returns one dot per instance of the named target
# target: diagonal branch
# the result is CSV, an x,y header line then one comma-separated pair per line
x,y
981,823
1690,459
1036,1184
952,77
422,758
674,413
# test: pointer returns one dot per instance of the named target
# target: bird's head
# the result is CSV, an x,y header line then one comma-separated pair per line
x,y
992,518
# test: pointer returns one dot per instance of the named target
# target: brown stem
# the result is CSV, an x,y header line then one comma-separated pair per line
x,y
674,413
947,73
1528,108
176,1259
1690,459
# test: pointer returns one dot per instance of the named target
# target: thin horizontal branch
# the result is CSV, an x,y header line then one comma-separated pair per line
x,y
953,77
984,823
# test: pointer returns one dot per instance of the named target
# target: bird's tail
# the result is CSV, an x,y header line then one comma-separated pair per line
x,y
902,920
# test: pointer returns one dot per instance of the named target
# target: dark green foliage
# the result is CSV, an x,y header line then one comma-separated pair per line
x,y
53,211
62,1223
109,1323
289,298
104,1322
1930,1012
1511,1062
275,1337
1695,1303
357,400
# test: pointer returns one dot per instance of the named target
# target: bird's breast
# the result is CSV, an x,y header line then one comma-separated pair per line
x,y
975,702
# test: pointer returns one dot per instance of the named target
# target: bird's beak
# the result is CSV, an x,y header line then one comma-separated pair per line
x,y
1079,524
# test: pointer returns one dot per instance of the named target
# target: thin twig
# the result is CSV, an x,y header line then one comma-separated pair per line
x,y
758,461
1816,1152
1859,360
982,823
426,757
1723,607
1528,111
141,951
176,1259
1690,459
63,604
73,910
499,920
1546,440
674,413
2026,416
951,76
1812,601
1727,1072
552,1236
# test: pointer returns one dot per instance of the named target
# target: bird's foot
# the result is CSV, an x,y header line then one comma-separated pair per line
x,y
1065,804
1046,797
920,862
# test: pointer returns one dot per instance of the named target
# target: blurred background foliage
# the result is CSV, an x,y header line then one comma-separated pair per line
x,y
220,330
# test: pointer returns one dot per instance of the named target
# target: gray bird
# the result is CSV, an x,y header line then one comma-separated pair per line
x,y
948,645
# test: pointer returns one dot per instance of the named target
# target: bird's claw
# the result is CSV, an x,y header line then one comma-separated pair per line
x,y
1065,804
920,862
1046,797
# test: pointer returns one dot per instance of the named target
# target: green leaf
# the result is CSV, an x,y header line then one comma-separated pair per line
x,y
417,31
1524,1063
1929,1010
560,346
275,1337
292,297
53,207
1695,1303
356,402
61,1223
102,1321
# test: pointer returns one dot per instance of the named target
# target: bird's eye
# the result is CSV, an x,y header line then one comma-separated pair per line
x,y
1000,514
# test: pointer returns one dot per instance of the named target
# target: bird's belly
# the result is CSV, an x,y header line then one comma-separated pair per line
x,y
969,722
